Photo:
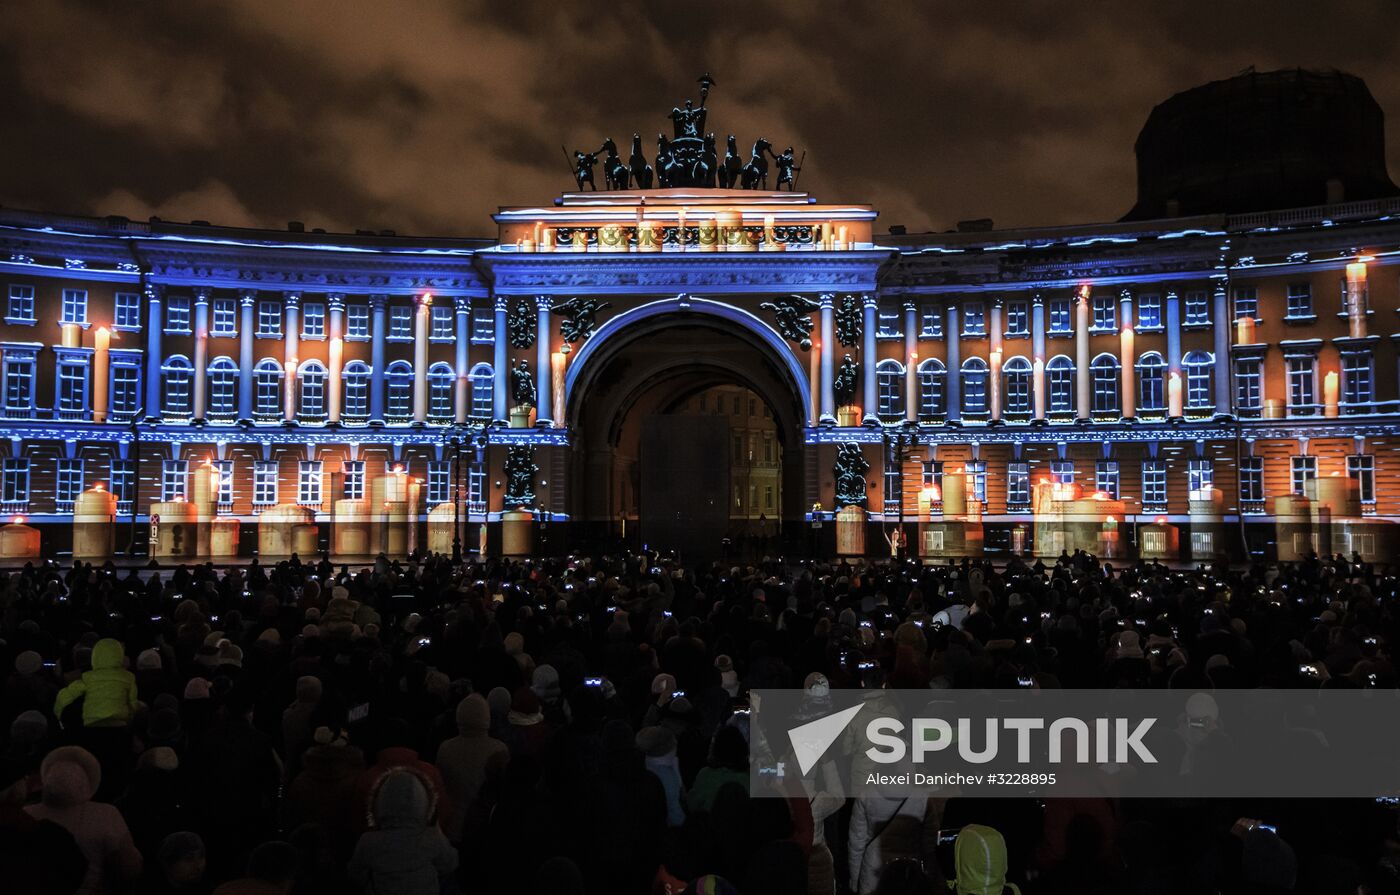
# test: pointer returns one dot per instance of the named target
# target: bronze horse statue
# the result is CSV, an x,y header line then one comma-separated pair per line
x,y
615,173
665,161
641,171
733,166
755,174
704,172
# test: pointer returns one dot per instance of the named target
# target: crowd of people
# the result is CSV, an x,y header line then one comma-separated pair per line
x,y
579,725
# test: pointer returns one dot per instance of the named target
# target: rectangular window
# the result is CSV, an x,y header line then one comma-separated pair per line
x,y
1358,391
225,318
976,470
893,497
1246,301
1301,381
19,380
173,477
313,320
768,497
225,468
309,483
476,490
72,387
439,482
265,483
1248,384
21,306
483,328
1149,311
357,321
1105,309
1106,478
889,320
930,322
123,482
126,311
401,322
269,318
1197,309
1200,476
353,473
1361,468
974,319
932,476
1154,483
74,306
1304,470
1062,472
177,314
14,480
442,330
1018,318
1252,480
1060,315
69,484
126,389
1018,484
1300,302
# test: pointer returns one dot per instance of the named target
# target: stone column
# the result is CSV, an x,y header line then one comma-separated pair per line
x,y
462,396
543,366
868,360
379,329
952,334
155,326
1081,354
1357,300
247,301
1127,354
828,368
335,354
201,353
1223,409
1173,332
291,341
1038,357
911,361
994,359
421,318
500,404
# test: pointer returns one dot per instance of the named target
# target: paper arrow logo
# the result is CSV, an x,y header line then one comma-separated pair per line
x,y
811,740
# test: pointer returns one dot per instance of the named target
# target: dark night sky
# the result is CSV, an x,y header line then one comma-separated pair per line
x,y
424,115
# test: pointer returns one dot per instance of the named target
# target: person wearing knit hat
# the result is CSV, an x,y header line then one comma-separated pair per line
x,y
182,859
28,663
728,677
159,758
70,777
230,654
658,745
28,732
197,688
148,660
471,763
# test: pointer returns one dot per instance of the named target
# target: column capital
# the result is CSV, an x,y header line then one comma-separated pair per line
x,y
378,300
826,301
292,297
869,301
201,295
1037,300
155,291
423,299
911,303
544,302
998,301
336,301
502,303
1125,294
1172,295
1081,296
463,303
247,297
1219,285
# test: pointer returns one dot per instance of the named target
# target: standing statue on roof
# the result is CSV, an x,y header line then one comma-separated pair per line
x,y
787,167
689,121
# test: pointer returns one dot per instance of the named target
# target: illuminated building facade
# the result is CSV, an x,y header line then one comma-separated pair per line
x,y
1229,377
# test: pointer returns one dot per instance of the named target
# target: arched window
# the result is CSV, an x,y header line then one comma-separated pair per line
x,y
398,380
1016,384
440,380
1060,373
889,386
1151,382
312,388
1104,377
176,377
933,377
483,391
1198,365
356,380
223,387
974,385
267,389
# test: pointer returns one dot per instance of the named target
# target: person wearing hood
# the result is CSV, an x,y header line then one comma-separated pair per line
x,y
468,762
545,683
658,746
528,728
70,776
979,863
403,852
324,793
297,722
108,691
